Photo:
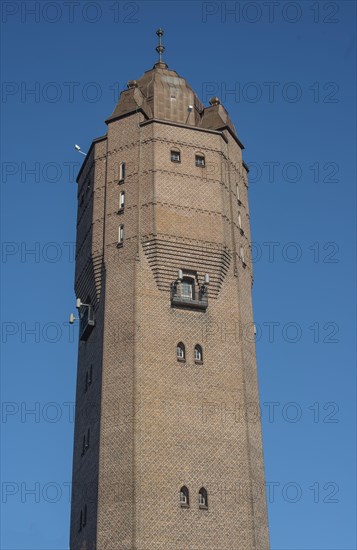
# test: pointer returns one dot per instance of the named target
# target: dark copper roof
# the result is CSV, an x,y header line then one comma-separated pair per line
x,y
162,94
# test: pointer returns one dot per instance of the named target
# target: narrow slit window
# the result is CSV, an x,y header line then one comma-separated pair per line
x,y
88,379
121,200
121,171
121,234
239,220
238,194
85,516
83,445
242,254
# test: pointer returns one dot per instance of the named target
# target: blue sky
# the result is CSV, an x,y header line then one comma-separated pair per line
x,y
286,73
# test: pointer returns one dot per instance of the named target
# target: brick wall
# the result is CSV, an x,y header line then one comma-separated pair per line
x,y
164,424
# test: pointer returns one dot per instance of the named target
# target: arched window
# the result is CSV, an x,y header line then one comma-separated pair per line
x,y
198,354
180,352
184,497
202,499
187,288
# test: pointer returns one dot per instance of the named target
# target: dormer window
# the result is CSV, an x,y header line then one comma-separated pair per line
x,y
175,155
200,161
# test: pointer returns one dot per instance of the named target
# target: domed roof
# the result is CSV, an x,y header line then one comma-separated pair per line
x,y
162,94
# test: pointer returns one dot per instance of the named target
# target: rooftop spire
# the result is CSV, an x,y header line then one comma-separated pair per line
x,y
160,49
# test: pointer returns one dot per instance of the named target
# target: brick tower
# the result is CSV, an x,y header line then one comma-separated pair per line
x,y
167,445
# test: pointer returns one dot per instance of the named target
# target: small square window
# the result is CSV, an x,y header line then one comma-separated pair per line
x,y
200,161
175,156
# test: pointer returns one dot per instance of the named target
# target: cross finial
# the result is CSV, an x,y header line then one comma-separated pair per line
x,y
160,48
